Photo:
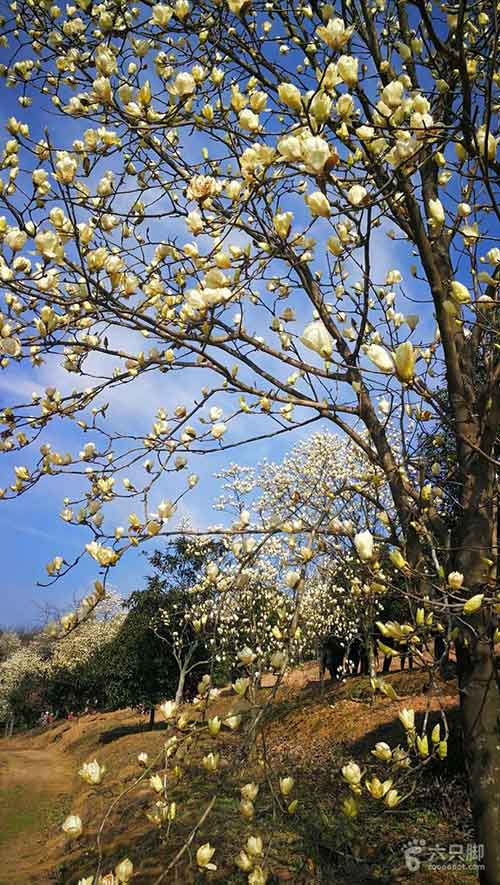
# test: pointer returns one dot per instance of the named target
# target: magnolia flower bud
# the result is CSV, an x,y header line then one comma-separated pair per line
x,y
378,789
241,685
249,791
277,660
473,604
214,726
156,783
142,759
318,205
292,578
488,145
211,761
363,543
246,656
436,212
397,559
316,337
404,361
460,293
443,749
243,862
407,718
455,580
286,785
347,68
357,195
382,751
124,870
315,153
392,798
282,223
436,734
249,120
349,807
218,430
73,826
351,773
246,809
423,745
254,846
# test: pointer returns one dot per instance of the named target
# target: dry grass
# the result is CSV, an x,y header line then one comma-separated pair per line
x,y
307,735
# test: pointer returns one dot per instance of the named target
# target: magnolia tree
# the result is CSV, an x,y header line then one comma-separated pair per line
x,y
292,208
326,490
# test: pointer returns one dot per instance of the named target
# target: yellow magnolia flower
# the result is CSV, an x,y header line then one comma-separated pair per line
x,y
124,870
204,856
318,205
73,826
455,580
335,34
407,718
404,361
290,95
92,772
460,293
347,68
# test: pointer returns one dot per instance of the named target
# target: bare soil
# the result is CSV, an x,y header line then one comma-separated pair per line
x,y
308,734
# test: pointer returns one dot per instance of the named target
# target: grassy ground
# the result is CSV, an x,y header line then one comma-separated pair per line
x,y
308,736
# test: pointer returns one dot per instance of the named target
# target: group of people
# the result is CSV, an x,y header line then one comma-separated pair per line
x,y
350,656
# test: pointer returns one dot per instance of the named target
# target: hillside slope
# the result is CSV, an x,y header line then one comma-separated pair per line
x,y
308,736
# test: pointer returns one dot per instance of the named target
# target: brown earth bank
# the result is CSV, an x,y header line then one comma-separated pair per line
x,y
308,735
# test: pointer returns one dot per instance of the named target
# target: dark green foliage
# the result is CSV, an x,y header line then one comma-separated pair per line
x,y
137,666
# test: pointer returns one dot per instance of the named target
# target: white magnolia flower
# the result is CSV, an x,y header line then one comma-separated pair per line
x,y
357,194
381,358
317,337
363,542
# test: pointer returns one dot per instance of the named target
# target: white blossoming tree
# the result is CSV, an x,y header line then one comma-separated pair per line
x,y
45,674
296,205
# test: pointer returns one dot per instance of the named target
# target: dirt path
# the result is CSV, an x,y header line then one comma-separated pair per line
x,y
35,791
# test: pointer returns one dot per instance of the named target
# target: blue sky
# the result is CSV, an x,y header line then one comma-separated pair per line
x,y
30,527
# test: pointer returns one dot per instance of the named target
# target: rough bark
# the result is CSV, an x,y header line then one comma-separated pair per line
x,y
477,674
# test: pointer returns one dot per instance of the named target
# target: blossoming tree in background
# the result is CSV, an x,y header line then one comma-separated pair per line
x,y
324,488
295,208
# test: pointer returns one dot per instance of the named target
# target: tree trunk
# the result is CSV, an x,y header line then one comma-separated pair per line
x,y
370,654
480,706
179,694
151,718
476,665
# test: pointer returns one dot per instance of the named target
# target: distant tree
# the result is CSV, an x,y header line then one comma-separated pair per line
x,y
136,667
9,643
152,655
